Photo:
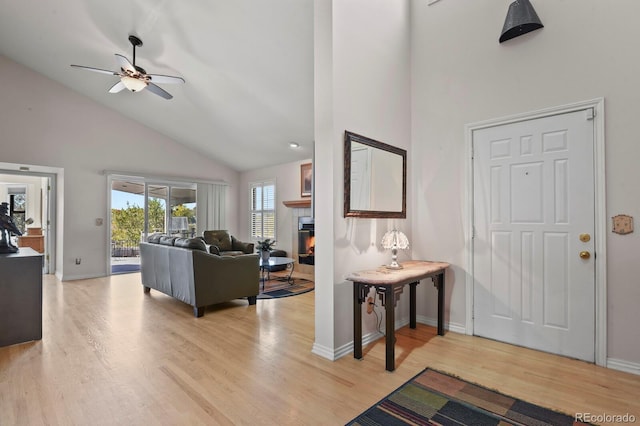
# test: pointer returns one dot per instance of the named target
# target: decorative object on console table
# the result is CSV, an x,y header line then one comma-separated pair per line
x,y
264,247
306,179
7,226
395,240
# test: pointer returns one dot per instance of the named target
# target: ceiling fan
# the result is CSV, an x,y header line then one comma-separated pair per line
x,y
135,78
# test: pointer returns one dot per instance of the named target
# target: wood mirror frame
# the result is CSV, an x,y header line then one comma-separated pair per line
x,y
353,211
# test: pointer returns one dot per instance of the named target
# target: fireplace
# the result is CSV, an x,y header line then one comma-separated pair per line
x,y
306,241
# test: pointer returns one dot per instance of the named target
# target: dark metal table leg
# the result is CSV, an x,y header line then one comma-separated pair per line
x,y
289,280
389,302
440,285
357,322
412,305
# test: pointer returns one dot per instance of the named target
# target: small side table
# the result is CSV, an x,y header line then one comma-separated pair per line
x,y
389,284
276,261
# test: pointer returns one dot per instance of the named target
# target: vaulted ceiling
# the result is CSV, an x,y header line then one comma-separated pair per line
x,y
248,67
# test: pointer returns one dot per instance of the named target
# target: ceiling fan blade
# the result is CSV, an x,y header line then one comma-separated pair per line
x,y
101,71
125,64
158,91
166,79
119,86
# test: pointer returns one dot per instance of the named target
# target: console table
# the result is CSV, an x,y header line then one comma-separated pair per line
x,y
20,296
389,284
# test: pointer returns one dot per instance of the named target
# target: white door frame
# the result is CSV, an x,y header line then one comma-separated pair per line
x,y
600,212
54,175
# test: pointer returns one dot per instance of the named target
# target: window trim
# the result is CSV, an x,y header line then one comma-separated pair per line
x,y
262,184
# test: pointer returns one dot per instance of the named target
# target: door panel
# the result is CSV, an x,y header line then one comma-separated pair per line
x,y
533,197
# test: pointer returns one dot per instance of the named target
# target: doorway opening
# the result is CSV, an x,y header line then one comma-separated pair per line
x,y
30,200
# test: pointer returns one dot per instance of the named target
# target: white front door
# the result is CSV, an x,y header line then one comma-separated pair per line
x,y
533,259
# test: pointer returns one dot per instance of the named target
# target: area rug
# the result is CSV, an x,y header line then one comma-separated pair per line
x,y
124,269
275,288
435,398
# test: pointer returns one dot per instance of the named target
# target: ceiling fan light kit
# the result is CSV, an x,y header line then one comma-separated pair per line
x,y
135,78
133,84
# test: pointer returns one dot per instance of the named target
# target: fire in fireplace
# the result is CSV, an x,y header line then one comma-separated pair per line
x,y
306,241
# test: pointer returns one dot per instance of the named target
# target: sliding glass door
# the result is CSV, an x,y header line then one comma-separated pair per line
x,y
127,224
183,211
140,208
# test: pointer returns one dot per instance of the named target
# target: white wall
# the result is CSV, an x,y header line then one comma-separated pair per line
x,y
46,124
362,85
461,75
287,179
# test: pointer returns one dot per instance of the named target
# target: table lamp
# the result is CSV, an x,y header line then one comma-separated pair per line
x,y
394,240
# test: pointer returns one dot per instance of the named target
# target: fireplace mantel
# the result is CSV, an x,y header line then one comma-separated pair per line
x,y
299,204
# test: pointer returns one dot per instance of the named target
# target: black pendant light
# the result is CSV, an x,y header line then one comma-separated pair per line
x,y
521,19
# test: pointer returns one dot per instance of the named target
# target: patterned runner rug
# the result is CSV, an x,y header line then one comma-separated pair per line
x,y
434,398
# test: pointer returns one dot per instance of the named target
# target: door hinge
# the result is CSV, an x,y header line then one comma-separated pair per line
x,y
591,113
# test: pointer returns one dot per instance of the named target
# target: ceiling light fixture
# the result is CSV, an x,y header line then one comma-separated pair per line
x,y
294,145
521,19
133,84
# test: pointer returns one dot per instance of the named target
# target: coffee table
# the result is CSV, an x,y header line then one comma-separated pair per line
x,y
276,261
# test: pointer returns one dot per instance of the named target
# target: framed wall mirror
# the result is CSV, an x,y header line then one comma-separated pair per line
x,y
375,178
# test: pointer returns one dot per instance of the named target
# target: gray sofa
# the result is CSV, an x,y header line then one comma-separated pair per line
x,y
182,268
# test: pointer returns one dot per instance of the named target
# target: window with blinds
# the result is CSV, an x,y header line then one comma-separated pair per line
x,y
263,211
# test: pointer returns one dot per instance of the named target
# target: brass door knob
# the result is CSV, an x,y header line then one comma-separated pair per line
x,y
585,255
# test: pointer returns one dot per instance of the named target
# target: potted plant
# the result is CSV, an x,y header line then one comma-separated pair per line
x,y
265,247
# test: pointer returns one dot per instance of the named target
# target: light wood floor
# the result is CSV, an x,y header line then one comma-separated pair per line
x,y
111,355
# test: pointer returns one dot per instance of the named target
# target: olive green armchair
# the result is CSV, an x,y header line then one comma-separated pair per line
x,y
222,243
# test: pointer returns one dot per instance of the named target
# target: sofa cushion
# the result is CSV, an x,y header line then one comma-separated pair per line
x,y
191,243
232,253
221,239
154,238
166,240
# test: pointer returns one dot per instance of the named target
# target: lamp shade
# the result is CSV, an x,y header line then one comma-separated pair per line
x,y
521,19
394,240
133,84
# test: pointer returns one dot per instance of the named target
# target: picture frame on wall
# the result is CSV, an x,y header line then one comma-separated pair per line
x,y
306,178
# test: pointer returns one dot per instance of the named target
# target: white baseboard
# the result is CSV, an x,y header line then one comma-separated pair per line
x,y
433,322
78,277
323,351
622,365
